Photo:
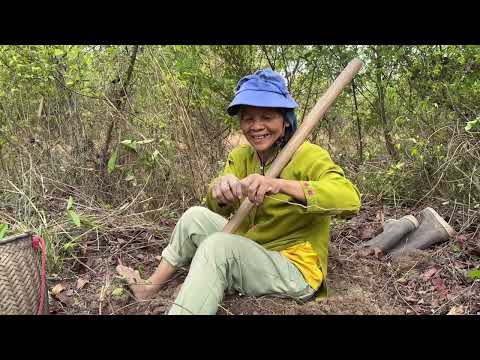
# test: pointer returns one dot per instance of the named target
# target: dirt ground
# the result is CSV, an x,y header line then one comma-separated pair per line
x,y
429,282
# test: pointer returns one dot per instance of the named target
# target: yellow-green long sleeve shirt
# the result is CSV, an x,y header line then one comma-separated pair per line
x,y
281,222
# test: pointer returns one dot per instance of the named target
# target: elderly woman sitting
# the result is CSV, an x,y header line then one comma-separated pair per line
x,y
281,248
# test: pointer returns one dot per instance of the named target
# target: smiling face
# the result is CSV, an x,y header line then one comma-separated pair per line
x,y
262,126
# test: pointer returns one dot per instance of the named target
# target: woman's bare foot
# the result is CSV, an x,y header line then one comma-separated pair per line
x,y
140,288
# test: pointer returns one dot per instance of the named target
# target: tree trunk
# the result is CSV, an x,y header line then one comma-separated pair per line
x,y
76,133
359,127
119,99
309,92
381,106
270,62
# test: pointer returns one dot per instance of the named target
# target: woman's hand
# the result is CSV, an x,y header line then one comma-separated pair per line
x,y
255,187
227,189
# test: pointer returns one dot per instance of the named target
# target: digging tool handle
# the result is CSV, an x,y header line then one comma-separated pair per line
x,y
309,123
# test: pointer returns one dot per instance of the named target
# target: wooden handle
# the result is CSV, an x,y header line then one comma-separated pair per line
x,y
309,123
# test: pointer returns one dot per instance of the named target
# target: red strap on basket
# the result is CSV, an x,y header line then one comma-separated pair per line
x,y
38,242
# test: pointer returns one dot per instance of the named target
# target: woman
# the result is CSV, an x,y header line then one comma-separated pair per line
x,y
281,248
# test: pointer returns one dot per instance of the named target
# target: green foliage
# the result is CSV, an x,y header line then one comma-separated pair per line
x,y
112,162
69,203
69,246
473,125
40,68
474,274
118,291
74,217
395,169
3,230
130,144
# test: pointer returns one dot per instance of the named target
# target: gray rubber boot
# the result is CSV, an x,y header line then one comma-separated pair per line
x,y
433,229
393,232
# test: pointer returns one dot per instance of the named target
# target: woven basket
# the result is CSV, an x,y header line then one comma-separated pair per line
x,y
20,276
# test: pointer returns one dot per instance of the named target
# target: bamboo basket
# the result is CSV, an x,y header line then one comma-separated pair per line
x,y
20,280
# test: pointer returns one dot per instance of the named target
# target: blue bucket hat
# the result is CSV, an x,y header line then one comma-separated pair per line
x,y
265,88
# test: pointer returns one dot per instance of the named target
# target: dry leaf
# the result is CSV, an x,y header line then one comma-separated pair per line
x,y
166,222
57,289
366,252
475,251
429,273
439,283
461,239
81,282
411,299
380,216
456,310
66,300
367,232
451,297
378,252
159,258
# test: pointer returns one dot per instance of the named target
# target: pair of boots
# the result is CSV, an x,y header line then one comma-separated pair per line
x,y
407,234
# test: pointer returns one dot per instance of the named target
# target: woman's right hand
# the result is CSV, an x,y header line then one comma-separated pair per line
x,y
227,189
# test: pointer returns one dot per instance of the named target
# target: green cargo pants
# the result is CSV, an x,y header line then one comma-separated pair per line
x,y
223,262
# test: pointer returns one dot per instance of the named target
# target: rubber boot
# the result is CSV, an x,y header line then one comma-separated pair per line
x,y
393,232
433,229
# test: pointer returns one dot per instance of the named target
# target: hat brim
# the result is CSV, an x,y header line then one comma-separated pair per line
x,y
260,99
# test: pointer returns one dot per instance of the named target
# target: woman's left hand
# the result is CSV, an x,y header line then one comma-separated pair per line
x,y
255,187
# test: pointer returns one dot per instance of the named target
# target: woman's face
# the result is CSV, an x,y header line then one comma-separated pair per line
x,y
261,126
